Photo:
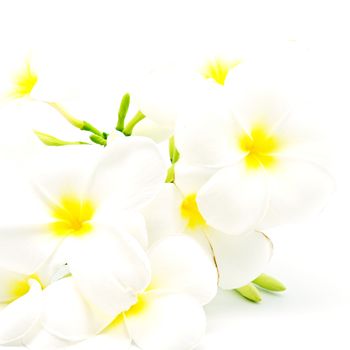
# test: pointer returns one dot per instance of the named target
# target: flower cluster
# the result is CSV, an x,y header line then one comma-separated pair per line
x,y
123,237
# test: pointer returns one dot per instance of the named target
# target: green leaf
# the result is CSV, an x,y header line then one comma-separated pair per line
x,y
50,140
269,283
249,292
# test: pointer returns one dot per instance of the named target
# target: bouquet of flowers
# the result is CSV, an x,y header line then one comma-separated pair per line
x,y
123,236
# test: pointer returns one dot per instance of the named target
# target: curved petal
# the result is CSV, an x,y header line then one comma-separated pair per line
x,y
189,178
66,314
113,337
20,316
110,268
25,249
40,339
65,170
180,265
133,222
162,215
20,202
170,322
234,200
128,175
298,189
206,133
8,280
161,92
153,130
240,259
258,95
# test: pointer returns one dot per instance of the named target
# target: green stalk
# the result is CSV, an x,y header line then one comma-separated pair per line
x,y
130,126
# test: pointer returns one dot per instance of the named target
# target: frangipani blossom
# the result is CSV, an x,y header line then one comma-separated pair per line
x,y
239,258
21,300
269,170
71,210
167,314
20,304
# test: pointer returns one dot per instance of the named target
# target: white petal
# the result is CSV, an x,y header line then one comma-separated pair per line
x,y
58,171
240,259
40,339
20,316
20,202
110,269
189,178
162,215
54,268
206,133
234,200
133,222
25,249
258,95
161,93
153,130
298,189
8,279
129,174
66,314
170,322
180,265
112,338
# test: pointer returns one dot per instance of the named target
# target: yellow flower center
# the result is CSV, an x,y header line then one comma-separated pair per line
x,y
138,307
18,288
24,82
73,216
260,147
218,70
190,212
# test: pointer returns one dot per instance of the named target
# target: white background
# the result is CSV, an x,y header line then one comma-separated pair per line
x,y
313,257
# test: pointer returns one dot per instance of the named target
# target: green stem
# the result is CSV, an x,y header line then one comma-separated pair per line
x,y
89,127
72,120
50,140
123,110
130,126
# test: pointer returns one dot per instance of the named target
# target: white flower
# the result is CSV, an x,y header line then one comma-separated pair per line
x,y
21,299
20,304
239,258
167,314
72,208
270,170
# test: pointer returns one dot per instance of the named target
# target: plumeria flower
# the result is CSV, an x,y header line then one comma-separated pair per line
x,y
270,172
20,304
167,313
21,300
72,209
239,258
